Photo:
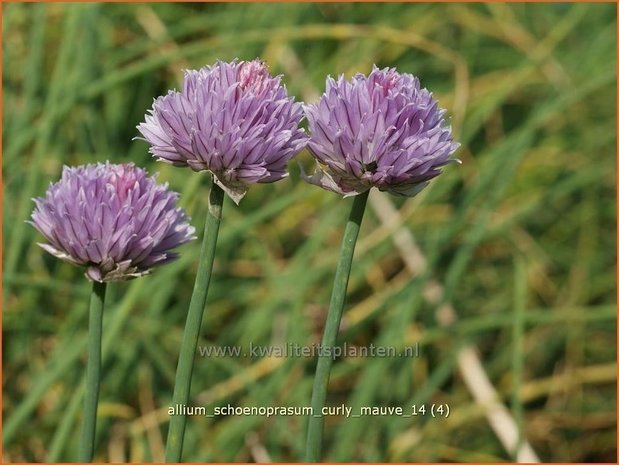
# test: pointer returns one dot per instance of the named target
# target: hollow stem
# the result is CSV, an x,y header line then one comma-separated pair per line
x,y
313,451
189,343
93,372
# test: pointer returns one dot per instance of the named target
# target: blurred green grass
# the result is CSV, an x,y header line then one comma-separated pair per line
x,y
521,235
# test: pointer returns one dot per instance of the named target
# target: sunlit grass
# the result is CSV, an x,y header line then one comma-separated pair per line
x,y
523,232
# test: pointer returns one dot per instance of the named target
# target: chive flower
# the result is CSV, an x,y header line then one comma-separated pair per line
x,y
237,122
381,131
232,119
113,219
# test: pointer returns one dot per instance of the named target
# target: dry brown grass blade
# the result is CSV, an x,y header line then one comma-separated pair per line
x,y
469,364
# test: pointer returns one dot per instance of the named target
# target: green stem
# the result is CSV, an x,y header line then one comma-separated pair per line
x,y
189,343
313,451
93,372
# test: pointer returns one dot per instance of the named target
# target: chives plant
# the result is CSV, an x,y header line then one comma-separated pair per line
x,y
237,122
380,131
118,223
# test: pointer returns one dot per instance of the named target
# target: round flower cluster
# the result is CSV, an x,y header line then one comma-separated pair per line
x,y
380,131
113,219
232,119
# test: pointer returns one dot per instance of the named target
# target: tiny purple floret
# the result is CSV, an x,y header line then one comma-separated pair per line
x,y
232,119
380,131
113,219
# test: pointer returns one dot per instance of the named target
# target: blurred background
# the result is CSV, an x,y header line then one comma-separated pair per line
x,y
503,270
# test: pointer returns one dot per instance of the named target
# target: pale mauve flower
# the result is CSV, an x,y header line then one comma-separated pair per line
x,y
112,219
232,119
381,131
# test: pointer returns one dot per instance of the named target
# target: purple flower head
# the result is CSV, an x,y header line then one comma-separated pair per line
x,y
113,219
232,119
380,131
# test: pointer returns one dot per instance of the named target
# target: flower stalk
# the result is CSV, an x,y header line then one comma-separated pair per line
x,y
313,451
93,372
184,371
